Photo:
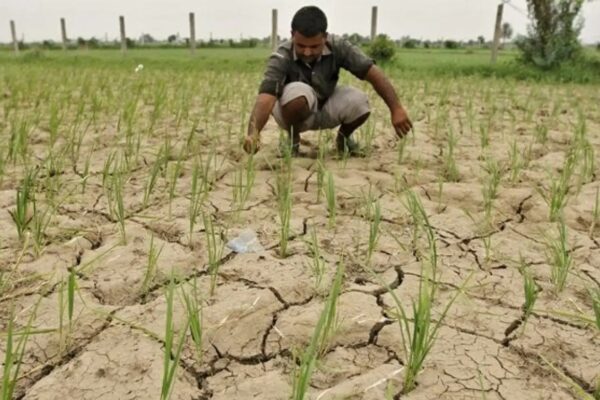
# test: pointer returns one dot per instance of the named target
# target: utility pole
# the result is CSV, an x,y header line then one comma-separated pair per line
x,y
373,23
63,31
123,37
13,32
274,30
497,32
192,34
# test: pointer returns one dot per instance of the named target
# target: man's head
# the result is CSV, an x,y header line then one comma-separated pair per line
x,y
309,33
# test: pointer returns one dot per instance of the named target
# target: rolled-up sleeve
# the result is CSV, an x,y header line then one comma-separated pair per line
x,y
353,58
274,77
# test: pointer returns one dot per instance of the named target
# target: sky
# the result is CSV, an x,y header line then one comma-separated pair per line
x,y
422,19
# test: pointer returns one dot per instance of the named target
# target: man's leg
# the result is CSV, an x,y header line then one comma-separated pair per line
x,y
295,111
344,141
347,108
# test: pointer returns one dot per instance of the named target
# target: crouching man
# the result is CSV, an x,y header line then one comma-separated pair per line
x,y
300,87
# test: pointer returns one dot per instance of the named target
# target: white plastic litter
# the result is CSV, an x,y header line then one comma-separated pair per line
x,y
245,242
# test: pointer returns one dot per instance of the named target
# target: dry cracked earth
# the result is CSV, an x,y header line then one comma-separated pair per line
x,y
265,307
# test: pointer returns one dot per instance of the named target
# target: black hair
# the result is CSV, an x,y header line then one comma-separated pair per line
x,y
309,21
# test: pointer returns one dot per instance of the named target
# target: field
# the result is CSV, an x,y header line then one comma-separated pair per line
x,y
462,262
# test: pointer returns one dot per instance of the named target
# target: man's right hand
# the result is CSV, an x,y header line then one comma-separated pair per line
x,y
252,143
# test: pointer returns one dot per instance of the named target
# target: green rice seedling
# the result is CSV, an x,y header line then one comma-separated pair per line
x,y
530,291
516,162
320,337
449,168
24,203
557,196
413,206
54,122
194,314
595,296
172,354
588,163
484,135
317,265
331,201
373,230
196,199
214,247
541,133
401,147
39,224
85,174
119,206
559,257
151,265
13,356
18,144
440,194
595,213
243,182
152,178
175,173
419,333
487,245
284,203
3,159
490,187
321,172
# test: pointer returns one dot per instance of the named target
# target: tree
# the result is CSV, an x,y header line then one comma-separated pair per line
x,y
553,33
481,40
507,31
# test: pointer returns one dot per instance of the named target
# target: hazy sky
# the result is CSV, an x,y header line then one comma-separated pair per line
x,y
425,19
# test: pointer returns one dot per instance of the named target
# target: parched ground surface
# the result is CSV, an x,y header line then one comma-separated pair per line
x,y
265,307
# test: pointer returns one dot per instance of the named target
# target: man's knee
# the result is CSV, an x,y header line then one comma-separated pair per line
x,y
296,110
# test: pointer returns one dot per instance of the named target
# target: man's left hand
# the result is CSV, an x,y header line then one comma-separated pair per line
x,y
401,122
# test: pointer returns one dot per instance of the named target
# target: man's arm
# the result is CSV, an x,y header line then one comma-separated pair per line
x,y
258,119
385,90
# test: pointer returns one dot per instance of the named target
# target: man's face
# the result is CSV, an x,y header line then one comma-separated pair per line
x,y
308,49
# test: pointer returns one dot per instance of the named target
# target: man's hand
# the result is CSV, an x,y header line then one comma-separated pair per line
x,y
401,122
252,143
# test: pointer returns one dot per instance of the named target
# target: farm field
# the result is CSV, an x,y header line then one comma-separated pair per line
x,y
462,262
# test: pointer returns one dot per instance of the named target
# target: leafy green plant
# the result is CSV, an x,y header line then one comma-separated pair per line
x,y
320,338
214,247
172,350
331,201
382,49
559,257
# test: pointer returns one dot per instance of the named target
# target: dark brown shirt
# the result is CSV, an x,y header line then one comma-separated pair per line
x,y
284,67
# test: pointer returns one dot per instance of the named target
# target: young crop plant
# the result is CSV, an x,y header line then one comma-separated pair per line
x,y
22,214
214,247
152,178
243,182
320,339
449,168
595,213
14,352
172,350
557,196
151,265
318,265
284,205
374,230
193,309
559,257
530,291
490,188
331,201
420,332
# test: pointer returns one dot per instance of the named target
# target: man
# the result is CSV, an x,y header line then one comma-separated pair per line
x,y
300,87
